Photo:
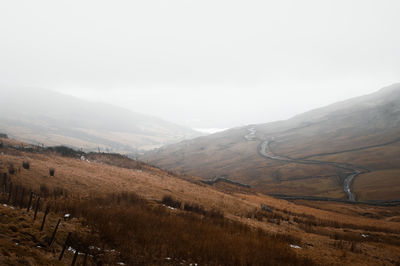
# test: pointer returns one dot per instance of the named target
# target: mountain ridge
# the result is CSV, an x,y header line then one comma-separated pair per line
x,y
53,118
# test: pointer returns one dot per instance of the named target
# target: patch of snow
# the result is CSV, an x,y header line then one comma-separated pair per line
x,y
71,249
168,258
121,263
294,246
364,235
83,158
67,215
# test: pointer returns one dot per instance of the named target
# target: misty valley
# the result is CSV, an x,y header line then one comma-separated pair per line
x,y
319,188
237,133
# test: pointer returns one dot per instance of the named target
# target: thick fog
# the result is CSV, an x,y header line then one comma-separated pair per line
x,y
203,64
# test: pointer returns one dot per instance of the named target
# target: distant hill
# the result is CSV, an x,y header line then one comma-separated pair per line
x,y
42,116
363,132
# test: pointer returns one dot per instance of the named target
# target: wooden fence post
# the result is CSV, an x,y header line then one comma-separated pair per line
x,y
65,246
44,217
36,208
75,257
30,202
54,233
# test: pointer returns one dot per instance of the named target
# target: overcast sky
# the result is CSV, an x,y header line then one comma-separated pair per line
x,y
205,64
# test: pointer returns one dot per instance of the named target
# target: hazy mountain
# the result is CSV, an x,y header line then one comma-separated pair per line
x,y
42,116
363,131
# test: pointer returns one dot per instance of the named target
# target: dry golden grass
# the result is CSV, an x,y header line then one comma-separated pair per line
x,y
378,185
329,233
229,154
22,243
84,178
383,182
378,158
238,160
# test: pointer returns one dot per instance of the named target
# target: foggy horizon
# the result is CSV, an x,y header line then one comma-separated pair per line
x,y
203,65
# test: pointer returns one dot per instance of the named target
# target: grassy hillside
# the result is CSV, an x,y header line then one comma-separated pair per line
x,y
53,119
363,132
150,216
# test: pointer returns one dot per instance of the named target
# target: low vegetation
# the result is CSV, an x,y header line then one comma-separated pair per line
x,y
162,219
144,233
26,165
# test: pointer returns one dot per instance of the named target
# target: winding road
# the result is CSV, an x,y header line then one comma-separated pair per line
x,y
265,151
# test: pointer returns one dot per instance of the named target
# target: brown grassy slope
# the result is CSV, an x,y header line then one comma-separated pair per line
x,y
383,183
229,154
326,236
369,120
378,185
22,242
84,178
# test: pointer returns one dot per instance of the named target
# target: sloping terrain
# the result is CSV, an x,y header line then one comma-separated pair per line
x,y
46,117
363,133
154,217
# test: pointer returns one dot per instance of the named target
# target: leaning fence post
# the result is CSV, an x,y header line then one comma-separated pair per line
x,y
36,208
54,233
44,217
30,202
65,246
75,257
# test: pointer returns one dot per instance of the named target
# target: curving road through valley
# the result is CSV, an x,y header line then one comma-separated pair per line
x,y
265,151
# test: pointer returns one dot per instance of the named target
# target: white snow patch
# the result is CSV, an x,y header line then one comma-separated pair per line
x,y
71,249
294,246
